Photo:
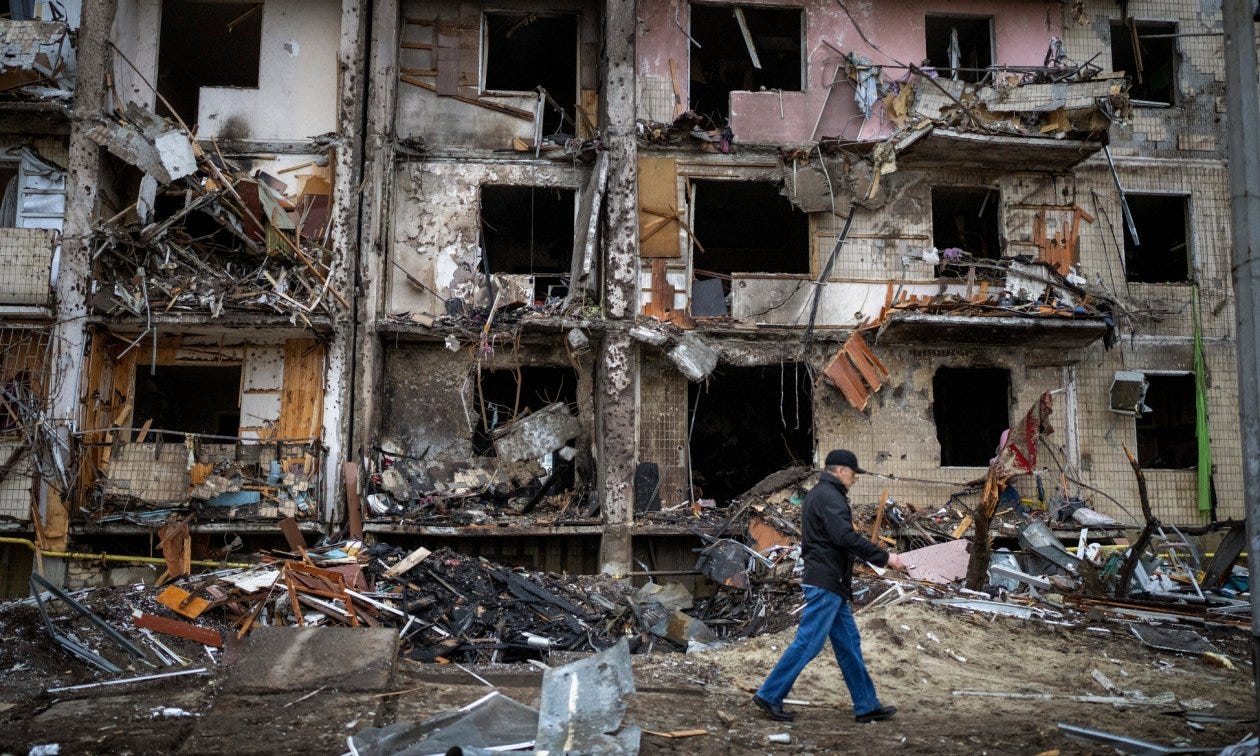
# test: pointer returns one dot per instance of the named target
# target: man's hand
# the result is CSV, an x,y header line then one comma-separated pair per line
x,y
894,562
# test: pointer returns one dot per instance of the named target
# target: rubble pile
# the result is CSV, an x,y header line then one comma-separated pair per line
x,y
204,236
149,482
481,490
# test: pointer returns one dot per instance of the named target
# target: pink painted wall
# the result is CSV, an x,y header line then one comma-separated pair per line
x,y
1022,31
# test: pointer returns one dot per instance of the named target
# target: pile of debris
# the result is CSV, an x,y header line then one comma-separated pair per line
x,y
688,127
480,490
446,607
202,236
204,475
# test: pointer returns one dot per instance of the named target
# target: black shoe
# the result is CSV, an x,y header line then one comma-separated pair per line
x,y
774,710
879,715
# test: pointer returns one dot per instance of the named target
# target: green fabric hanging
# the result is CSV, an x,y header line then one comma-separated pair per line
x,y
1202,431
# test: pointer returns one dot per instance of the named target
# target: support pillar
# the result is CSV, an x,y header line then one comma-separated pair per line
x,y
616,401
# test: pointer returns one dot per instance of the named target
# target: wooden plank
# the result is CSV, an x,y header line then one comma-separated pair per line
x,y
879,514
864,368
182,602
498,108
962,527
176,545
842,375
354,507
655,307
293,536
186,630
447,62
588,113
859,344
470,50
658,199
406,563
302,390
144,431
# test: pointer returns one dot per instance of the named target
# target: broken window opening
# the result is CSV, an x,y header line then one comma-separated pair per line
x,y
1164,253
1167,435
960,47
1152,65
528,230
10,192
749,422
763,53
747,227
971,407
502,396
966,218
189,399
524,51
206,44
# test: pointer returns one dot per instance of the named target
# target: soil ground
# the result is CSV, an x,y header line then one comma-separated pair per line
x,y
919,655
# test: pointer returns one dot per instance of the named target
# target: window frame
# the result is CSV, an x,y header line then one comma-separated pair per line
x,y
1174,90
1008,399
993,51
483,53
1188,220
804,53
1165,373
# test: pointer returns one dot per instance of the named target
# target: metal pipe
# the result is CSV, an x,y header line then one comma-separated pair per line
x,y
112,557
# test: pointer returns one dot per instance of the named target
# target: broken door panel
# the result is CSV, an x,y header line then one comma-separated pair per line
x,y
659,217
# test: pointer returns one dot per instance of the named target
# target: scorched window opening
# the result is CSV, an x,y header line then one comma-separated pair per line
x,y
525,50
1161,253
743,49
206,44
971,407
960,47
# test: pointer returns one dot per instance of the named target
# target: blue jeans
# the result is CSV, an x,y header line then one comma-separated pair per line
x,y
827,615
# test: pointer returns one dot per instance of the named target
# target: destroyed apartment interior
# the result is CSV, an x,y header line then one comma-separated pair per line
x,y
456,345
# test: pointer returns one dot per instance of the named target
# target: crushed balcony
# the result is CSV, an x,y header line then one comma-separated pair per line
x,y
36,61
144,475
203,237
1043,119
1021,303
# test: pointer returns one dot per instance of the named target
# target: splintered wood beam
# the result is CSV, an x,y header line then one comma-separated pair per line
x,y
524,115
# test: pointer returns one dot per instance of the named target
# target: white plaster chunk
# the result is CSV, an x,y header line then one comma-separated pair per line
x,y
538,434
694,358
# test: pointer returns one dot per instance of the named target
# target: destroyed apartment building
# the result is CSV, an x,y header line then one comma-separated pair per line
x,y
560,283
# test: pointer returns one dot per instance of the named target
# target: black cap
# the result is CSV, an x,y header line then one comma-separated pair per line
x,y
843,457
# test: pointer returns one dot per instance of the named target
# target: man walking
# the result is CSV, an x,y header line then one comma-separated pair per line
x,y
829,546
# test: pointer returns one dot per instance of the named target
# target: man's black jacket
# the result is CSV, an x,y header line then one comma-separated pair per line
x,y
829,544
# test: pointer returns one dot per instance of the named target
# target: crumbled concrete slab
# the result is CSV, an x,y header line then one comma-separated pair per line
x,y
940,563
296,659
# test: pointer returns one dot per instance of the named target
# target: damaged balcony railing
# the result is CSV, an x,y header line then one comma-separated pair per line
x,y
146,473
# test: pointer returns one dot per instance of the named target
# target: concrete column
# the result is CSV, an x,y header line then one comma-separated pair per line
x,y
1243,131
347,175
74,269
378,177
617,378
